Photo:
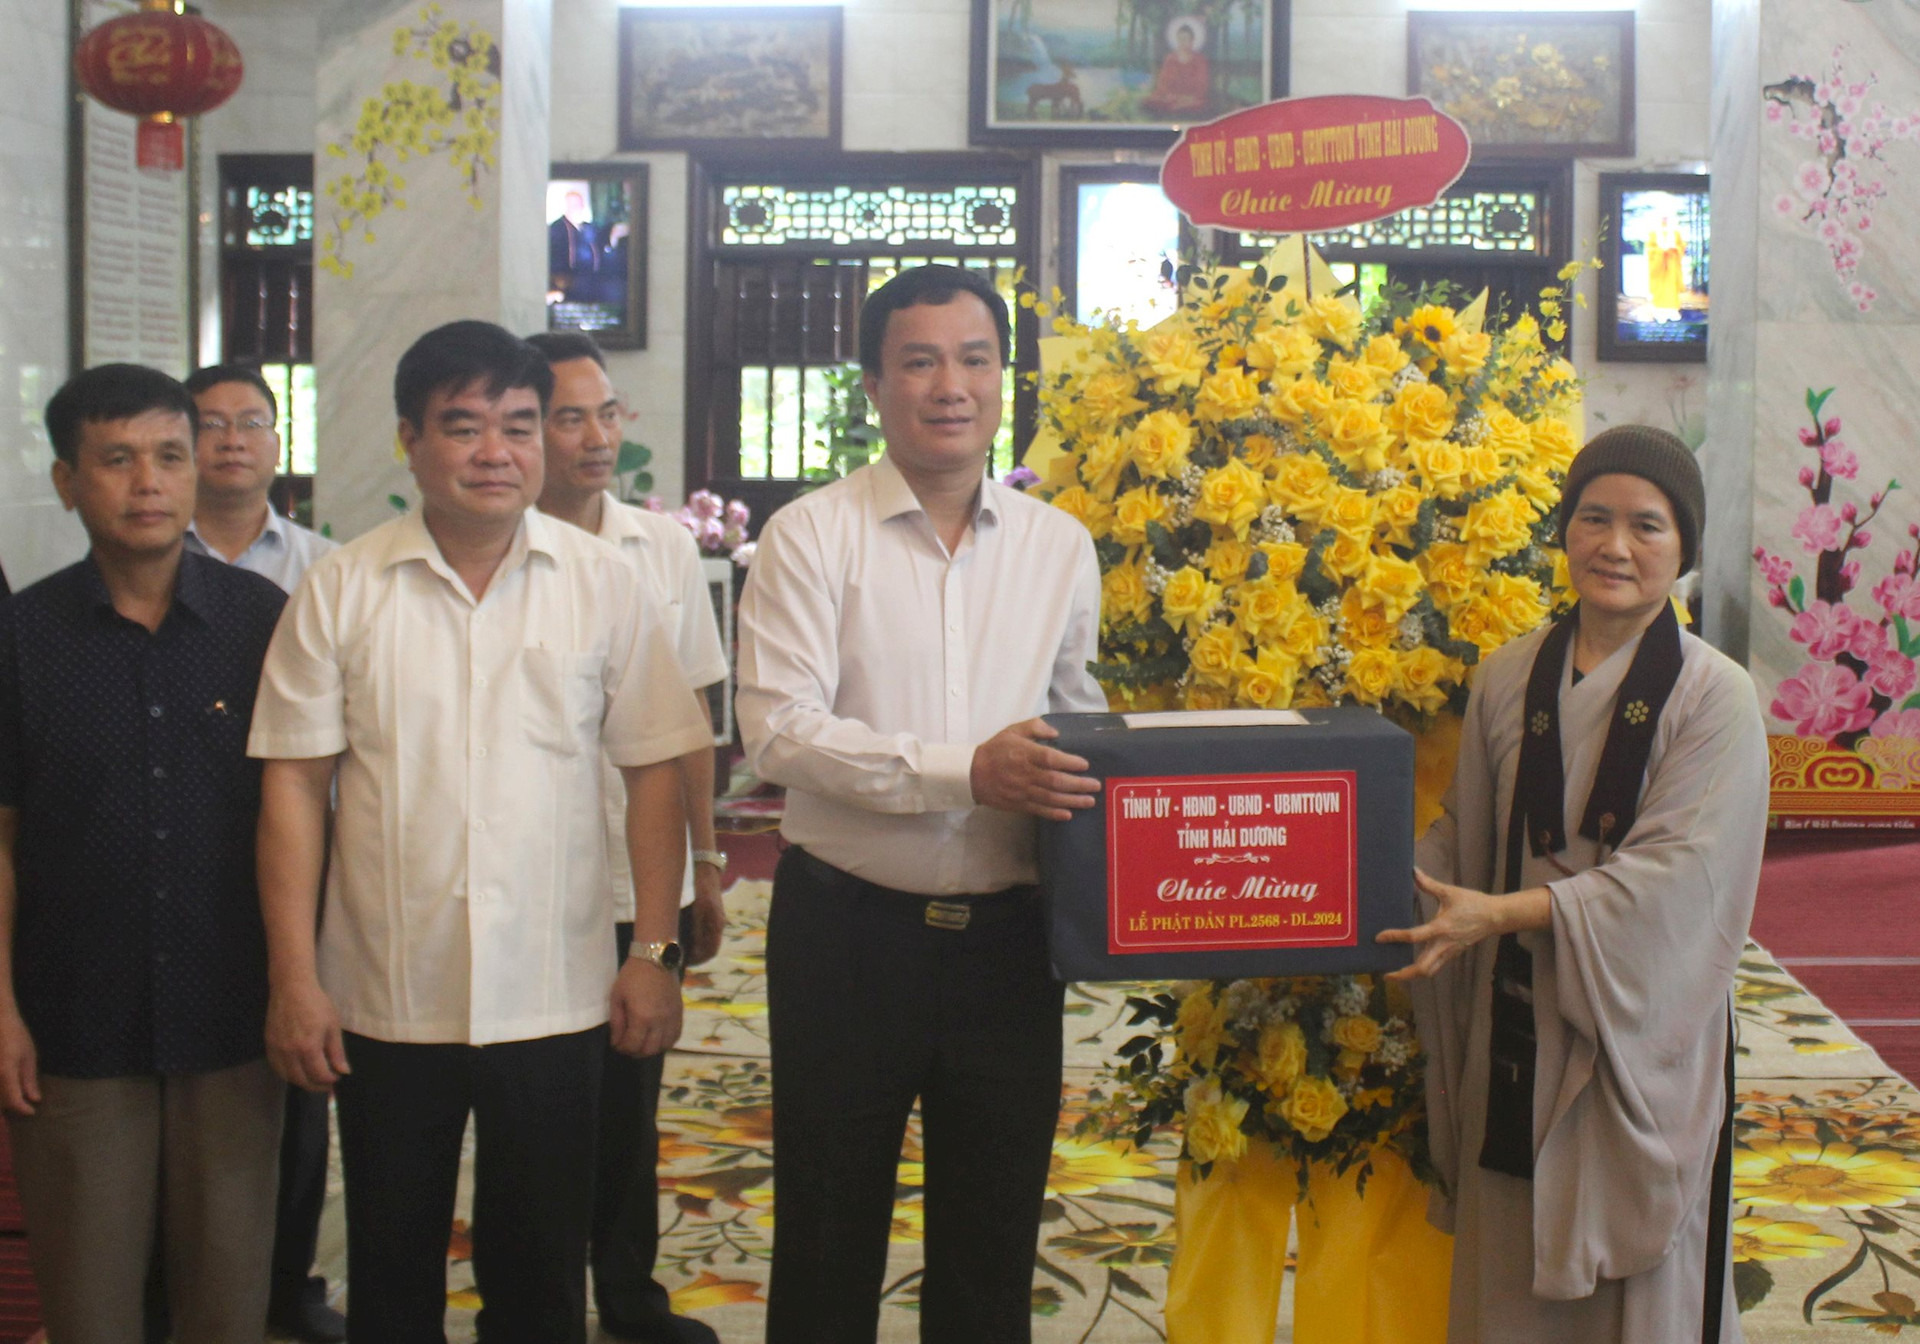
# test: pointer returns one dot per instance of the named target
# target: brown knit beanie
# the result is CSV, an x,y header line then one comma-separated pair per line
x,y
1653,455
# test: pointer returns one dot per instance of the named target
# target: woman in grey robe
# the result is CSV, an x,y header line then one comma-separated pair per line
x,y
1612,784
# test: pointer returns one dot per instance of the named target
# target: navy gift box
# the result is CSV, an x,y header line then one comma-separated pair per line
x,y
1232,843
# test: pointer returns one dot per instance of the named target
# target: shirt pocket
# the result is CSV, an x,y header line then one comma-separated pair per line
x,y
565,699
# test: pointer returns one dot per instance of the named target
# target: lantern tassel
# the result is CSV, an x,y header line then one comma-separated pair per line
x,y
160,145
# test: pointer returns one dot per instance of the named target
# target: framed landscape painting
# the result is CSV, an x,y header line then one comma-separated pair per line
x,y
718,79
1555,85
1119,72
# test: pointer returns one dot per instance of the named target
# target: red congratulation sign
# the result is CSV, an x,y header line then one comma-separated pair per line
x,y
1306,164
1231,861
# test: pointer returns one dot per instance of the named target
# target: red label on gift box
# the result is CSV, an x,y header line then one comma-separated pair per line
x,y
1231,861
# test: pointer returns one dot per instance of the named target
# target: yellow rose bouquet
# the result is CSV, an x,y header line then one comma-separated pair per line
x,y
1324,1068
1299,503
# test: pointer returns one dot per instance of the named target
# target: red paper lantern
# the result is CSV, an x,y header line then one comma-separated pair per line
x,y
159,66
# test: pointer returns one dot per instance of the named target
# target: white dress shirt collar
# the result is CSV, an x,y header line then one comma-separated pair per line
x,y
893,496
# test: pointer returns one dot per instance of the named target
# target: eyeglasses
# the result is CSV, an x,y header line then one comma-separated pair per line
x,y
253,424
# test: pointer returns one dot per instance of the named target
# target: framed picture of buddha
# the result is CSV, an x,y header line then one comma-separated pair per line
x,y
1119,73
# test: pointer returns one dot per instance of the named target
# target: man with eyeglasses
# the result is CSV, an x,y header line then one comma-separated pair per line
x,y
237,452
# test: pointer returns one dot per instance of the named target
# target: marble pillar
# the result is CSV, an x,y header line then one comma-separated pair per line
x,y
1816,199
430,179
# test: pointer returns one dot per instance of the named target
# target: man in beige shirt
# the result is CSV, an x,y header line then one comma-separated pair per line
x,y
461,670
901,632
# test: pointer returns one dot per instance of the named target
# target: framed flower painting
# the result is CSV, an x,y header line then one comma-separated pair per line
x,y
1119,72
714,80
1556,85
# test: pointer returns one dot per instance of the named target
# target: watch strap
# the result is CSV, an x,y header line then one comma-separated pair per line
x,y
715,858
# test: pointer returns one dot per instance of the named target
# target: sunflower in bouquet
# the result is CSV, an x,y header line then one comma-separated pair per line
x,y
1300,503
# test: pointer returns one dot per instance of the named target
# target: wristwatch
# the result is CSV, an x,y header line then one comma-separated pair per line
x,y
668,956
717,859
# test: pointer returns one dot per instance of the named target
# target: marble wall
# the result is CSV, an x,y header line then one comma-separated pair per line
x,y
37,536
455,239
1837,305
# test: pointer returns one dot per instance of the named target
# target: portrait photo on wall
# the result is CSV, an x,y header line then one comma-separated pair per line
x,y
596,252
1119,72
1653,286
718,79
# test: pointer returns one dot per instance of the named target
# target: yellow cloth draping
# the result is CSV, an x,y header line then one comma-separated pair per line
x,y
1372,1270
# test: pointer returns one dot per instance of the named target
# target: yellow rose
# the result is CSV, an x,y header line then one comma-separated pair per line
x,y
1227,560
1421,411
1297,631
1349,1064
1257,451
1347,556
1213,1122
1442,464
1282,1056
1422,673
1365,624
1358,1032
1214,654
1189,599
1283,352
1109,396
1231,497
1358,435
1313,1106
1351,511
1201,696
1386,356
1499,525
1465,352
1258,607
1100,464
1300,485
1311,695
1285,559
1092,513
1159,444
1478,622
1174,358
1371,674
1508,436
1392,584
1449,577
1483,465
1300,400
1200,1026
1539,487
1518,600
1124,597
1134,510
1396,511
1266,682
1227,395
1334,319
1352,380
1553,445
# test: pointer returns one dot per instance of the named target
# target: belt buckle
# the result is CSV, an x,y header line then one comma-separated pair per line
x,y
950,915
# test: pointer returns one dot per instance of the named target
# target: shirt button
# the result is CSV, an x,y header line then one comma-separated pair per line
x,y
481,752
159,832
159,893
480,683
160,958
154,711
159,772
953,627
479,824
953,690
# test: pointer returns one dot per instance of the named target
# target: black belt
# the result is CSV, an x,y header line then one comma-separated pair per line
x,y
951,913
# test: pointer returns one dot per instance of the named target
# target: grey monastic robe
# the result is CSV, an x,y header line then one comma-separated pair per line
x,y
1631,990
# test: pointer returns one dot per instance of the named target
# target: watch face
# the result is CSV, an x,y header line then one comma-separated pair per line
x,y
672,956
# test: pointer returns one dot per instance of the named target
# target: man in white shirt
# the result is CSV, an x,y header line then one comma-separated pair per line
x,y
582,433
462,669
900,633
236,456
237,453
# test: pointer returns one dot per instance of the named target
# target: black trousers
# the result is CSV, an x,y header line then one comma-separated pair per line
x,y
303,1194
403,1111
626,1191
870,1008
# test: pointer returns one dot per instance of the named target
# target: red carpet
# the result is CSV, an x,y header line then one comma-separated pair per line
x,y
1842,912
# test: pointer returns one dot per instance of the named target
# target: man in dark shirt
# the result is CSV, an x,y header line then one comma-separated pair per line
x,y
132,957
